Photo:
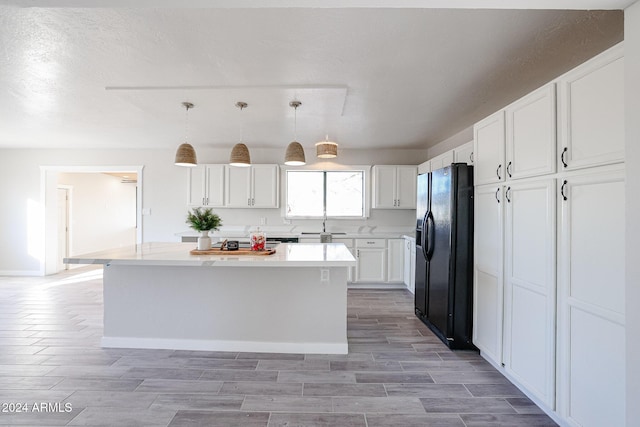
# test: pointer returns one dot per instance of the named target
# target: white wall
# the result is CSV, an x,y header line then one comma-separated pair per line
x,y
102,211
450,143
22,219
632,153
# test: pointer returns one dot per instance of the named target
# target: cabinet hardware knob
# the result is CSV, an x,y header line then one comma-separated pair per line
x,y
509,169
564,184
506,195
498,171
471,157
497,191
564,163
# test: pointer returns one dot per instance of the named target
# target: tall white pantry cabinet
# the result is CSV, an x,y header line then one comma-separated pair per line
x,y
549,243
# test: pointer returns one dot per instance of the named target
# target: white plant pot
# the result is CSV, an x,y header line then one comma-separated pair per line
x,y
204,241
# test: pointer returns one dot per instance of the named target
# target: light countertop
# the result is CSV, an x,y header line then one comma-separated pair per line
x,y
177,254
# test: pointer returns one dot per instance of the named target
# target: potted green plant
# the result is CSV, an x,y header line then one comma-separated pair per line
x,y
203,220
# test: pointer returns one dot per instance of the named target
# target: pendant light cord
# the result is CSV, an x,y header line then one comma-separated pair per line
x,y
295,123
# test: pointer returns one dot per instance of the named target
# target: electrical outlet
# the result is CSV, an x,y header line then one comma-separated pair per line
x,y
263,221
324,275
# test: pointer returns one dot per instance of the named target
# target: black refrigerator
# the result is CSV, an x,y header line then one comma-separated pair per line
x,y
444,255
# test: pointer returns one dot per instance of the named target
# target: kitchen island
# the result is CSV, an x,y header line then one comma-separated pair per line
x,y
157,295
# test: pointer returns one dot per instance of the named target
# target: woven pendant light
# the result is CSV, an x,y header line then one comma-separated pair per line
x,y
326,149
240,152
186,154
294,156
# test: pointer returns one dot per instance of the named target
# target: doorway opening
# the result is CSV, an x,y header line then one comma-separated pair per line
x,y
89,209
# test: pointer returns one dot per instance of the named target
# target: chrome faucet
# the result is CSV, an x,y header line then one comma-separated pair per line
x,y
324,225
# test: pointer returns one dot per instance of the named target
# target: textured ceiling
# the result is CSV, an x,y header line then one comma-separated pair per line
x,y
370,78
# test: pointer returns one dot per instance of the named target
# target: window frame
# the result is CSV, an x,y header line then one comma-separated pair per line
x,y
366,173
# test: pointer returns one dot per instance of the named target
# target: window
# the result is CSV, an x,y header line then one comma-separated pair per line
x,y
316,193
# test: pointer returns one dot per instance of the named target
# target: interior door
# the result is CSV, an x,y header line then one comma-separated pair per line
x,y
440,248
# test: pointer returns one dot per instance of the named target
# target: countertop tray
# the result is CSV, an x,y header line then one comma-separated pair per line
x,y
241,251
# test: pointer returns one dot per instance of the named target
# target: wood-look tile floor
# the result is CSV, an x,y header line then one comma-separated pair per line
x,y
397,373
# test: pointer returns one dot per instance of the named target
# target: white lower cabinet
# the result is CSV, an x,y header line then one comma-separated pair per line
x,y
514,282
349,244
395,260
530,287
591,315
371,257
488,288
410,264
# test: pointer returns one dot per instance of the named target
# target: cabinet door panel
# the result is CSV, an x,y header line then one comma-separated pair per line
x,y
488,276
530,287
395,260
487,315
592,112
597,242
215,185
407,182
196,187
591,298
528,348
488,150
265,182
384,185
531,134
597,377
464,153
371,265
237,185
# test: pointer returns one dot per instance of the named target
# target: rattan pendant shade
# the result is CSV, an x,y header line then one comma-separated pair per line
x,y
186,156
326,149
240,156
294,155
240,152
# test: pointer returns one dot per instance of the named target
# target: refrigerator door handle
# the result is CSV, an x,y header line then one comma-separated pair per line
x,y
425,232
431,235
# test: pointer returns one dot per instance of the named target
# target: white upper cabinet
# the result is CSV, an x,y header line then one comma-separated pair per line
x,y
464,153
265,186
254,187
206,186
424,167
531,134
488,149
591,106
394,187
442,160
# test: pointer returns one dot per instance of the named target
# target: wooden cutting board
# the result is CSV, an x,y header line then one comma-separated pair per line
x,y
239,252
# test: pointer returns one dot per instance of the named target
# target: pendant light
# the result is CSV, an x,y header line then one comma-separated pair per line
x,y
294,155
326,149
240,153
186,154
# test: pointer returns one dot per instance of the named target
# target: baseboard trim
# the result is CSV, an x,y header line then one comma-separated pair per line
x,y
20,273
221,345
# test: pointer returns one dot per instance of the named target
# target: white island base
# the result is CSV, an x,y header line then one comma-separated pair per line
x,y
287,303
